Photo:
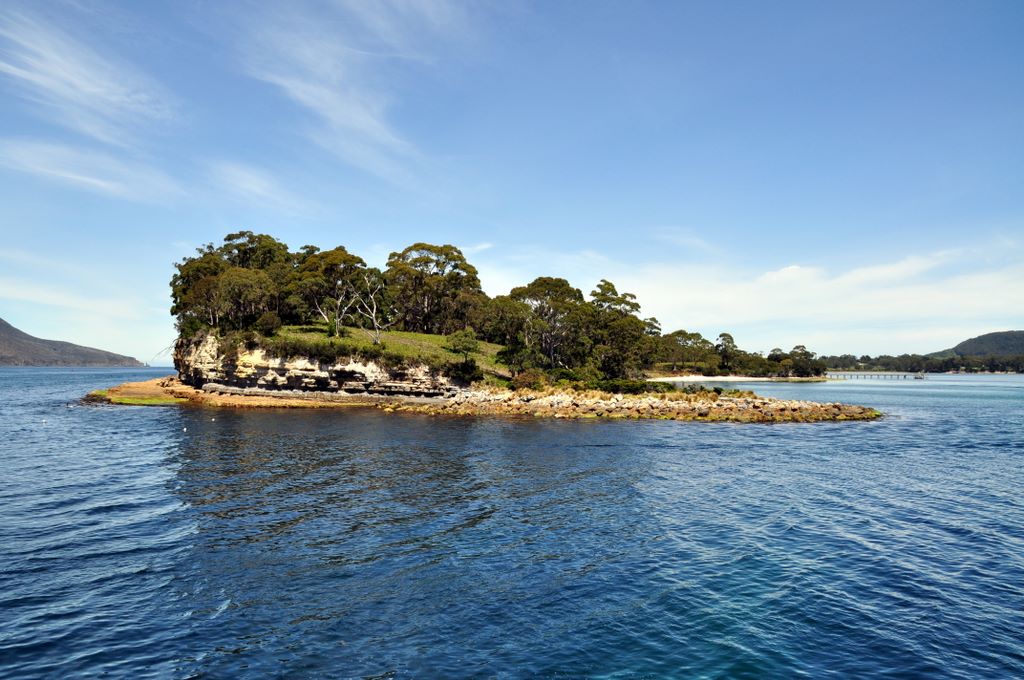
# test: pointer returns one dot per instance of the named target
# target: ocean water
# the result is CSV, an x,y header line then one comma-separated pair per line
x,y
176,543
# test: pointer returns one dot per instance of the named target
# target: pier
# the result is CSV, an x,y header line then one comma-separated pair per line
x,y
872,375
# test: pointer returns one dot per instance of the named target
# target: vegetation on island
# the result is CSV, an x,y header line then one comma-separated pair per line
x,y
427,306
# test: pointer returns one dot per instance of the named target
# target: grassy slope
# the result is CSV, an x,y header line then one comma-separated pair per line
x,y
414,346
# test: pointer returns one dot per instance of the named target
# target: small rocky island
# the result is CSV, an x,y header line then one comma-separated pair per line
x,y
252,378
261,326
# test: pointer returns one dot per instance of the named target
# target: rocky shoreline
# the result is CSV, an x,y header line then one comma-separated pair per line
x,y
705,406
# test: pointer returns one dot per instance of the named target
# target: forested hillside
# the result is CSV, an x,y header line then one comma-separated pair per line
x,y
18,348
1000,344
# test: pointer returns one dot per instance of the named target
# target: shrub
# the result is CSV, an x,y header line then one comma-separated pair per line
x,y
464,372
227,345
530,379
626,386
269,323
189,327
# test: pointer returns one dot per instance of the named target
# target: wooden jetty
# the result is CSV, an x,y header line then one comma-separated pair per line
x,y
872,375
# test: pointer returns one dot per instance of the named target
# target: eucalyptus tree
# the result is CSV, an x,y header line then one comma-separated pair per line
x,y
560,320
242,295
434,288
727,350
374,303
329,282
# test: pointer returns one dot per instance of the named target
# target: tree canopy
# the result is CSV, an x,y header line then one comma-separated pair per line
x,y
253,282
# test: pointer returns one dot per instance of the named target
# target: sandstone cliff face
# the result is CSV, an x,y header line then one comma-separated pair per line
x,y
199,363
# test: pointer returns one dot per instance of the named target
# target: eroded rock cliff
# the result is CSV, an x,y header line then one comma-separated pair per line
x,y
201,362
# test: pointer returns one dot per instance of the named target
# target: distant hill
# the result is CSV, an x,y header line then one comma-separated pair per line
x,y
1001,344
21,349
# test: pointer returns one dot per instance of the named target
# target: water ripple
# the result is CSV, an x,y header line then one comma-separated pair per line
x,y
364,544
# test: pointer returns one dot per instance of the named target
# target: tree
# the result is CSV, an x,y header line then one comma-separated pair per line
x,y
253,251
606,298
727,350
463,342
329,282
685,348
374,303
622,346
559,320
434,288
243,295
804,362
187,301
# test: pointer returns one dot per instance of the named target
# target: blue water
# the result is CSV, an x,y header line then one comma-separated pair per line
x,y
160,542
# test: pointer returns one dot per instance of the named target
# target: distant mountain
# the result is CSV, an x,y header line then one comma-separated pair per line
x,y
1001,344
21,349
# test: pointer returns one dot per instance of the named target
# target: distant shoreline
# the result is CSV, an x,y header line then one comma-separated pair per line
x,y
728,378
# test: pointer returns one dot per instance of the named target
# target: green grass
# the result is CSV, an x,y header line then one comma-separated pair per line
x,y
135,401
412,347
146,401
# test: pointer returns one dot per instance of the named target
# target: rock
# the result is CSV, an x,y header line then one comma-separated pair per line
x,y
199,362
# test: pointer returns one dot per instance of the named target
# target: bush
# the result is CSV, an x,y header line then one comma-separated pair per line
x,y
269,323
463,342
322,350
530,379
626,386
464,372
189,327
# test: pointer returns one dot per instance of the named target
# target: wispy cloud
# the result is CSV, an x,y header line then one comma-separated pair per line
x,y
89,170
16,258
54,296
894,272
339,63
476,248
73,84
254,185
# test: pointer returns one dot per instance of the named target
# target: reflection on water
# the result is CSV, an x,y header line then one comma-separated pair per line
x,y
178,542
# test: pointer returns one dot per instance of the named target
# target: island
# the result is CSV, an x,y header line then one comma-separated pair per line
x,y
263,326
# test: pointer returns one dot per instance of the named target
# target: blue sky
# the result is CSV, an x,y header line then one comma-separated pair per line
x,y
844,175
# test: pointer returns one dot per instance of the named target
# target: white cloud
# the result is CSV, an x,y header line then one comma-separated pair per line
x,y
55,296
920,303
338,65
893,272
254,185
476,248
89,170
97,95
